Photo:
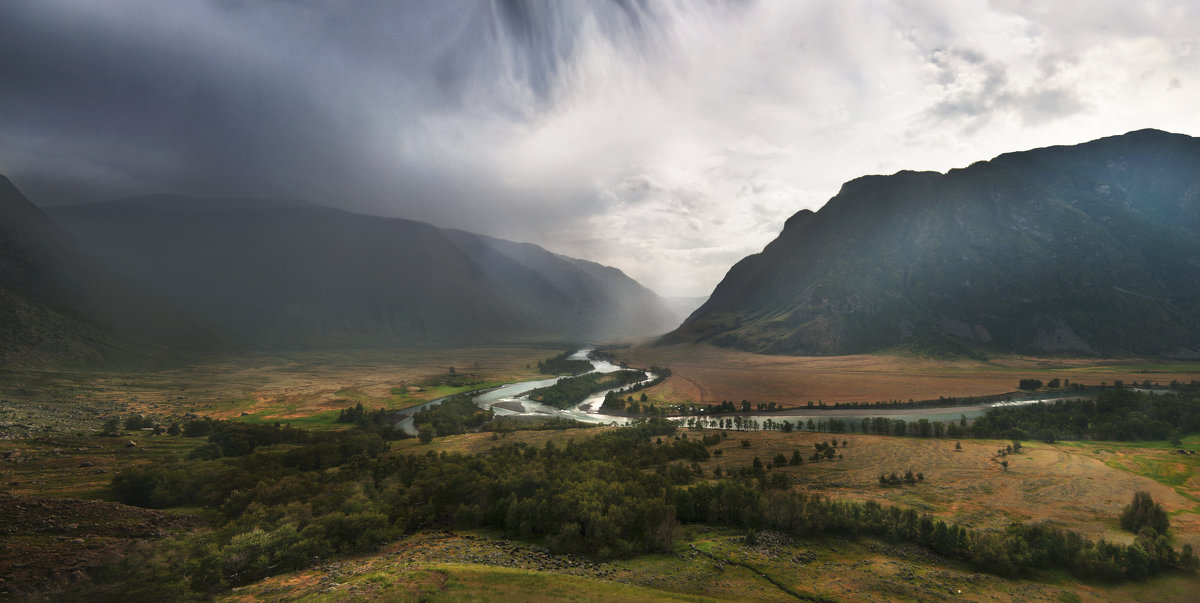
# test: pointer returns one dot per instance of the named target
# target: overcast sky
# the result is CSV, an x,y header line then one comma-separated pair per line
x,y
666,139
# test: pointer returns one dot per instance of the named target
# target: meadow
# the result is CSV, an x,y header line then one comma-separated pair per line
x,y
1080,486
702,373
63,467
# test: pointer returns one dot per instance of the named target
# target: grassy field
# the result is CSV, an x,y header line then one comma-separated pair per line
x,y
305,389
82,466
703,373
1082,486
705,564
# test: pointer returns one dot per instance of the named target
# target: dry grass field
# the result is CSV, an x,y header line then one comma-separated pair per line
x,y
706,565
301,388
702,373
1079,486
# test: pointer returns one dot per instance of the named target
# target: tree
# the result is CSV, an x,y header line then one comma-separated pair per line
x,y
174,429
1187,559
425,435
110,427
1143,511
958,446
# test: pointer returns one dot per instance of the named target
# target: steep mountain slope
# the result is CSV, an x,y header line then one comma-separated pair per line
x,y
60,307
1091,249
294,275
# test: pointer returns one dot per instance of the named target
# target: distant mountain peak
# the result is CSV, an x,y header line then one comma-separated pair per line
x,y
1086,249
187,204
294,274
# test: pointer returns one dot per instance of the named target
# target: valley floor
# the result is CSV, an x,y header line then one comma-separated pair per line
x,y
61,472
702,373
707,564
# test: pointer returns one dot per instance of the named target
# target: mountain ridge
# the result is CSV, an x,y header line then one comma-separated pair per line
x,y
1083,249
299,275
58,306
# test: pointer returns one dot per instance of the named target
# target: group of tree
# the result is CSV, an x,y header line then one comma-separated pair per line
x,y
1116,414
291,499
658,375
452,416
1054,383
563,364
1144,512
895,480
570,391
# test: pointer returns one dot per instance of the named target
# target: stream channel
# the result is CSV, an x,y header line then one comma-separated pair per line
x,y
512,401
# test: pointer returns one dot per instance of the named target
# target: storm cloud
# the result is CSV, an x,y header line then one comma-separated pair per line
x,y
668,139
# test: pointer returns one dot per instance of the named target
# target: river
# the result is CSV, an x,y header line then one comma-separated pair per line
x,y
512,401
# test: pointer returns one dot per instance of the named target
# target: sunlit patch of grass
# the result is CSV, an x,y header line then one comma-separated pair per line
x,y
285,416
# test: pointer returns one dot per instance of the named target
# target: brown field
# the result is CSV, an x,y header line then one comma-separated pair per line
x,y
266,387
1080,486
706,564
702,373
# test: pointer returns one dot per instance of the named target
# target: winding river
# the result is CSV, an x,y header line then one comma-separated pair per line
x,y
512,401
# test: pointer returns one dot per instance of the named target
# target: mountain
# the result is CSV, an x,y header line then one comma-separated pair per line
x,y
1086,249
58,306
296,275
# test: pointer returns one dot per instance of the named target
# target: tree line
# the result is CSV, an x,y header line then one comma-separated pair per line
x,y
562,364
570,391
620,493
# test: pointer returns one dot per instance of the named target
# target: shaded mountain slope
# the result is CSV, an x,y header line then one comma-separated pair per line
x,y
60,307
1092,249
295,275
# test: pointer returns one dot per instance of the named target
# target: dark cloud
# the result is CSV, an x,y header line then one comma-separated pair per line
x,y
665,137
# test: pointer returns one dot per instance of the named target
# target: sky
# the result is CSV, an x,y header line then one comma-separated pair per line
x,y
668,139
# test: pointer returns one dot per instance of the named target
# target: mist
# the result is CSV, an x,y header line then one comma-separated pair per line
x,y
668,139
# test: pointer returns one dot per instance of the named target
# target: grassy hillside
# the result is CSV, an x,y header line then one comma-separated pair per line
x,y
60,307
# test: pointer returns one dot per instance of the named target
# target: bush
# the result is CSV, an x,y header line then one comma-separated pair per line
x,y
1143,511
